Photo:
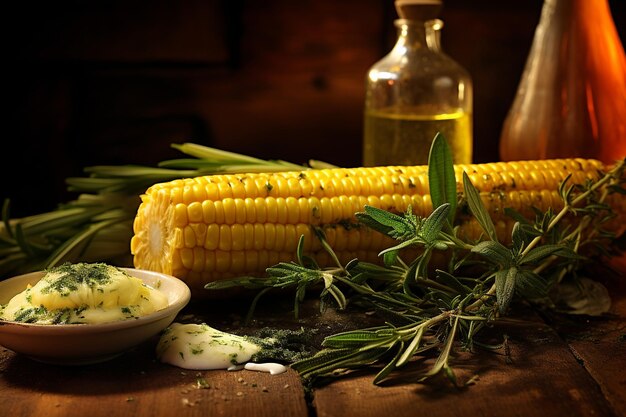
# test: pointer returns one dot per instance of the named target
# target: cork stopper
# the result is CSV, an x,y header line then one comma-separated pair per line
x,y
420,10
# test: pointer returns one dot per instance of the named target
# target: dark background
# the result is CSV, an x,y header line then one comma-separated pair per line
x,y
116,82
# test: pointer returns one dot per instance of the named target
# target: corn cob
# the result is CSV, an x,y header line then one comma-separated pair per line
x,y
215,227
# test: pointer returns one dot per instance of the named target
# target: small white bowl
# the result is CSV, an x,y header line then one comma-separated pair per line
x,y
80,344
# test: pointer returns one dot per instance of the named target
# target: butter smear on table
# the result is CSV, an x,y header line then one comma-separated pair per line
x,y
84,293
201,347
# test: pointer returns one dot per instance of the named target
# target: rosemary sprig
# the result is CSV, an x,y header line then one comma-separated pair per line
x,y
97,225
431,312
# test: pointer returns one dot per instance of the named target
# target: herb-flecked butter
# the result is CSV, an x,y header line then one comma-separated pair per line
x,y
199,346
84,293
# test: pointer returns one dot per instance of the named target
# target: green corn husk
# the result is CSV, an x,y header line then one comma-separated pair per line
x,y
97,225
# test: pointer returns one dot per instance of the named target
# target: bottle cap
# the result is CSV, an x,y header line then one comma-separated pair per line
x,y
420,10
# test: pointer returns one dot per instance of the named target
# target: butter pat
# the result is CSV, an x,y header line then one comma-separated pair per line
x,y
84,293
201,347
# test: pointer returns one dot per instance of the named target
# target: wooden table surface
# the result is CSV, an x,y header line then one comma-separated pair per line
x,y
569,368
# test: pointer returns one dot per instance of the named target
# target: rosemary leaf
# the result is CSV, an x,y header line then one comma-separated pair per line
x,y
478,209
505,287
441,180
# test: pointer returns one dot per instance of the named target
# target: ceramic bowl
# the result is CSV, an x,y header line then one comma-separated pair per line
x,y
77,344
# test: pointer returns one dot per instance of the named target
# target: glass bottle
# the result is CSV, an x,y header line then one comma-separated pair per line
x,y
414,92
571,101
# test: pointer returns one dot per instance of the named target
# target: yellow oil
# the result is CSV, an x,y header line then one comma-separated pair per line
x,y
405,139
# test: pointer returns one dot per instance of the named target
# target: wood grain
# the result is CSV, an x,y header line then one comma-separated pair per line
x,y
136,385
541,378
603,354
599,345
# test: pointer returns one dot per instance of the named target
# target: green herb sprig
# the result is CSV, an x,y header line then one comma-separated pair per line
x,y
430,309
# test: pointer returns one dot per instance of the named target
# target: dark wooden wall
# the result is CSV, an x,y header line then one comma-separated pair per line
x,y
114,82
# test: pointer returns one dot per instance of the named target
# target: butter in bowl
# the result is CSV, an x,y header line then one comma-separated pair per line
x,y
86,313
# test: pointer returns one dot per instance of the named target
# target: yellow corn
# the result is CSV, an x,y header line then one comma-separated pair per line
x,y
214,227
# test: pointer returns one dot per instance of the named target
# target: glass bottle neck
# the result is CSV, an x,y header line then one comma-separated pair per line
x,y
414,34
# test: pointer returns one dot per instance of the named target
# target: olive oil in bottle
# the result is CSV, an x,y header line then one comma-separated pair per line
x,y
408,136
415,92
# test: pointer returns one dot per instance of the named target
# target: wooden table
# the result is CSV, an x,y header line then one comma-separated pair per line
x,y
570,368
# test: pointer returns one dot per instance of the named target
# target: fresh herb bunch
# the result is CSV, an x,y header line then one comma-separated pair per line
x,y
97,226
431,308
